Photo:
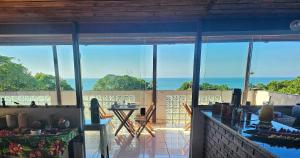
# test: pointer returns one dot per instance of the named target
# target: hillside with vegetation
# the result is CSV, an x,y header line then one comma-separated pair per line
x,y
114,82
286,87
16,77
203,86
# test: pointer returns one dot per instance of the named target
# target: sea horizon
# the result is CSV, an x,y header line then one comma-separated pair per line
x,y
173,83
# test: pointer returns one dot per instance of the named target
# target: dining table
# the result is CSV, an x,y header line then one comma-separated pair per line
x,y
123,113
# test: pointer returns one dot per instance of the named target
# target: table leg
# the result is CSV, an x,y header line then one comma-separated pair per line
x,y
129,122
120,126
126,125
124,122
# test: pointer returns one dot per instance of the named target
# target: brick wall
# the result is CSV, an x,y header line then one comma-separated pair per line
x,y
223,142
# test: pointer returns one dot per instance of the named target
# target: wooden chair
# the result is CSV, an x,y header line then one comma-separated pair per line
x,y
144,122
102,113
189,111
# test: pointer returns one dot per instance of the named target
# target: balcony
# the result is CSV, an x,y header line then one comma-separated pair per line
x,y
169,102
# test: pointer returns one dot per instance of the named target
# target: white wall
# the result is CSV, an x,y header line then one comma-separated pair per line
x,y
168,102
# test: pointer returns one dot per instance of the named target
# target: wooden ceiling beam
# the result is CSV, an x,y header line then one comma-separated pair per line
x,y
37,11
209,26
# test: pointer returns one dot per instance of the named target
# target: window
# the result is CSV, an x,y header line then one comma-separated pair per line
x,y
275,73
116,73
174,77
66,74
223,68
27,74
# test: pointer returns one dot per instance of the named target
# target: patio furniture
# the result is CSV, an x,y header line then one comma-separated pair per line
x,y
189,111
144,122
105,135
104,115
97,112
124,118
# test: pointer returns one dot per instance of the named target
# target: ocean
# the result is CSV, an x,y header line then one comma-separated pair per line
x,y
174,83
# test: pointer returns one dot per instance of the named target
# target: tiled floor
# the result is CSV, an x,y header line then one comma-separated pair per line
x,y
168,143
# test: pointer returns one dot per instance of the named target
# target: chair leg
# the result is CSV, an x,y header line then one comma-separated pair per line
x,y
188,126
141,130
112,125
184,127
138,130
149,131
150,126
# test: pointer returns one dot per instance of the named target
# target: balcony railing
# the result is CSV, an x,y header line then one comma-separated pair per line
x,y
169,102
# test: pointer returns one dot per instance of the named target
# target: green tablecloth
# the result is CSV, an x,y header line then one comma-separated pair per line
x,y
48,145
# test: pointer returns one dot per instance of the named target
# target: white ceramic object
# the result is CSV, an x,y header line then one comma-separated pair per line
x,y
36,132
22,120
296,111
12,121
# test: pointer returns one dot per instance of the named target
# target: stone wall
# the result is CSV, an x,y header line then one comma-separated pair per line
x,y
222,142
284,99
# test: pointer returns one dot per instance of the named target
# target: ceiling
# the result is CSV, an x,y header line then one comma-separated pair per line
x,y
36,11
162,38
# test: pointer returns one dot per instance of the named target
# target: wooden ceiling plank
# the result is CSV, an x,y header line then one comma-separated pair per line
x,y
30,11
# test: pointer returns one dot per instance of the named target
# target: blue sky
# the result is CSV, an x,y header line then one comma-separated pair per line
x,y
273,59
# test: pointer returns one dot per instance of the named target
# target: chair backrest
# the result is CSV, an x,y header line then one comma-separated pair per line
x,y
95,103
150,111
102,110
95,111
187,108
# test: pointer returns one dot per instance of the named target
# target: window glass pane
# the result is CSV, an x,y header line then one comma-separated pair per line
x,y
275,73
66,74
223,68
116,73
27,74
174,78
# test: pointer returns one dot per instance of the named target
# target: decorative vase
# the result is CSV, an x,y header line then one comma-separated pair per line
x,y
296,111
3,124
63,123
12,121
22,120
266,113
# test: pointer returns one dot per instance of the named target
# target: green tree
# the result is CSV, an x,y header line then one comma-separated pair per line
x,y
204,86
286,87
207,86
258,86
14,76
115,82
185,86
47,82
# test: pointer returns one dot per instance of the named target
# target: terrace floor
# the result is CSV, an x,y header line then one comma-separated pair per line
x,y
168,143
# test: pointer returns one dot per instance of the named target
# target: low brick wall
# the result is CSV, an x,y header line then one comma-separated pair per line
x,y
223,142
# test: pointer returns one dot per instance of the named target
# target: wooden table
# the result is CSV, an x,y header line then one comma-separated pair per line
x,y
124,118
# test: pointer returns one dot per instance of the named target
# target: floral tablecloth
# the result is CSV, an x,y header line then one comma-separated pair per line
x,y
35,146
